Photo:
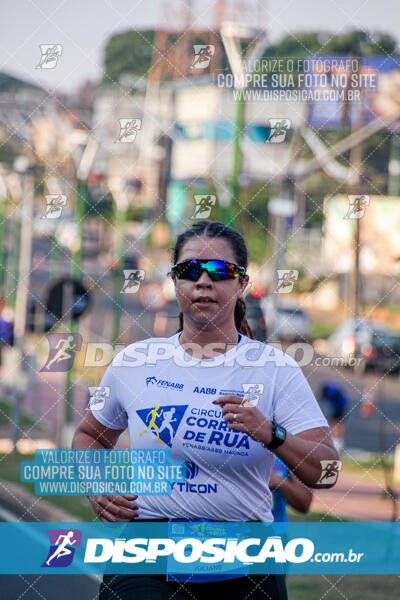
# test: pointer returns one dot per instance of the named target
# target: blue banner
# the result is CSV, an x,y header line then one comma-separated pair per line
x,y
199,548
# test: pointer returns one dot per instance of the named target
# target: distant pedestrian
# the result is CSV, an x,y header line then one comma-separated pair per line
x,y
338,401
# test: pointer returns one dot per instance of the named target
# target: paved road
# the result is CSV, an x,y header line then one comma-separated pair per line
x,y
381,430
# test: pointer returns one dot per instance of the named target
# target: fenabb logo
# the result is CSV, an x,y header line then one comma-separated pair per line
x,y
62,547
193,550
164,383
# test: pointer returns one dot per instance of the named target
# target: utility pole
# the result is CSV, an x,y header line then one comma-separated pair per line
x,y
394,166
83,162
24,270
232,36
76,272
15,198
238,130
355,189
121,203
3,222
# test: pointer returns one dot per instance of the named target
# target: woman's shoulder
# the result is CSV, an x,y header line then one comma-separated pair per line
x,y
142,351
266,353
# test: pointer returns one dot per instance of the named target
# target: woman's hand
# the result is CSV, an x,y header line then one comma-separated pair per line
x,y
248,419
114,508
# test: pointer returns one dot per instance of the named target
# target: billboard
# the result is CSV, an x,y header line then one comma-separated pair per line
x,y
379,219
342,86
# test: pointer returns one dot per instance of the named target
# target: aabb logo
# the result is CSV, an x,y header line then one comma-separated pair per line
x,y
62,547
203,390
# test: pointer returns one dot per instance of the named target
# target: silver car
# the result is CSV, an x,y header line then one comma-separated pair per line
x,y
286,321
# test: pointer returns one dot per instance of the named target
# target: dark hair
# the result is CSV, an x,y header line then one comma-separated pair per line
x,y
215,229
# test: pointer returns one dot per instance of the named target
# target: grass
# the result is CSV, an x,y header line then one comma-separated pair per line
x,y
321,329
76,505
5,416
343,587
372,465
314,515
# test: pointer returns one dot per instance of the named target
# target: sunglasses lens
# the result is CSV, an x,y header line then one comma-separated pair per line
x,y
217,270
189,269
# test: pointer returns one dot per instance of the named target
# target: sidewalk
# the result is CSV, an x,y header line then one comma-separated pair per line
x,y
358,497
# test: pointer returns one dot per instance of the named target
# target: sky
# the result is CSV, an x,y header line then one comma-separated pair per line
x,y
83,28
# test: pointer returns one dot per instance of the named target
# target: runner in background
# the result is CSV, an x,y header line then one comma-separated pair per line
x,y
338,401
287,490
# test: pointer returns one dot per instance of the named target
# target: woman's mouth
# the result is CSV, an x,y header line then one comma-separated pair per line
x,y
203,301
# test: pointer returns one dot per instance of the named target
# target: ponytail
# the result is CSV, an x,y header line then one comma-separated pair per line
x,y
241,322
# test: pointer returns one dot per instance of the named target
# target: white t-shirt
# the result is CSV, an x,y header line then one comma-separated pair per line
x,y
168,404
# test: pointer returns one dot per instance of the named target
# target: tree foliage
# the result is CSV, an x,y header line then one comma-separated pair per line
x,y
128,52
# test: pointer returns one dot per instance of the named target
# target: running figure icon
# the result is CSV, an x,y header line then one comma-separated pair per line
x,y
168,419
64,347
153,414
62,549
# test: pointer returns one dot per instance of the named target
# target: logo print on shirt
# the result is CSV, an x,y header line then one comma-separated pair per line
x,y
164,383
192,469
162,422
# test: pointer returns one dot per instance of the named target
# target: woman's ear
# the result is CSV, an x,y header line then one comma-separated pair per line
x,y
243,285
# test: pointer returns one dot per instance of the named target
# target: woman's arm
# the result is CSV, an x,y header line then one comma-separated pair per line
x,y
307,454
91,434
296,494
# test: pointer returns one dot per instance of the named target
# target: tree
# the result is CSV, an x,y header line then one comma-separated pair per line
x,y
128,52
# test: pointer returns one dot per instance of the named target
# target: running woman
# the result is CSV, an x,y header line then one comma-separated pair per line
x,y
229,444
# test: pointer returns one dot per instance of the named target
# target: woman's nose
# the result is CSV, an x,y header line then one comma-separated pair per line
x,y
204,279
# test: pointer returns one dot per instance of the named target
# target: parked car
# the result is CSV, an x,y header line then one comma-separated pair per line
x,y
384,353
370,341
286,321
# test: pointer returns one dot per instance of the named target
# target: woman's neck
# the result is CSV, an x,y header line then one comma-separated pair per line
x,y
207,344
